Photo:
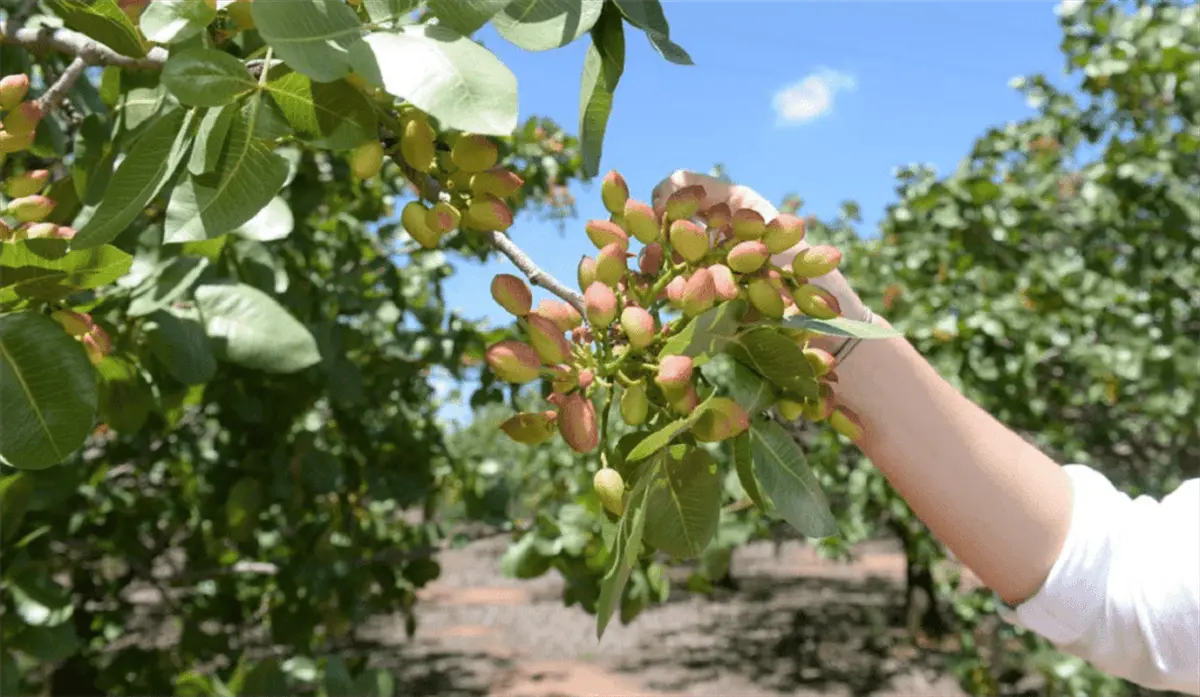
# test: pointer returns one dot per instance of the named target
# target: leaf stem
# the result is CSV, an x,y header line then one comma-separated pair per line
x,y
262,76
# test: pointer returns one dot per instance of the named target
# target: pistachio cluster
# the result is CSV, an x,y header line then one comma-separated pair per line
x,y
27,207
465,166
24,217
690,261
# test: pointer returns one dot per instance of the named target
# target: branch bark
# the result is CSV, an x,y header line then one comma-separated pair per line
x,y
430,189
76,44
55,94
534,273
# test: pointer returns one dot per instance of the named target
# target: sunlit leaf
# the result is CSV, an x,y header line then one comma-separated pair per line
x,y
448,76
602,70
251,329
48,391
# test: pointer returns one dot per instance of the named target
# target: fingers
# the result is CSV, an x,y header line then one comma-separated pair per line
x,y
715,190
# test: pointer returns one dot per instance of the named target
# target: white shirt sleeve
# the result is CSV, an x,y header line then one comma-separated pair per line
x,y
1124,593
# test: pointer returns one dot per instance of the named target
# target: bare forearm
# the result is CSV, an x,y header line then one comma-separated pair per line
x,y
996,501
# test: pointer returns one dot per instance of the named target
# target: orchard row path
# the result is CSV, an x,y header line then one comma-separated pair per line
x,y
797,625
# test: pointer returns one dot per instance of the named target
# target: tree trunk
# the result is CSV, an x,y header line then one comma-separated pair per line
x,y
922,612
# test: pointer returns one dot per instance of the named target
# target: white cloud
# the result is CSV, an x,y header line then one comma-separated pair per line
x,y
811,97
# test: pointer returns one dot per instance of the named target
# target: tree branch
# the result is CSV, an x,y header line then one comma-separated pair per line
x,y
88,52
533,272
76,44
52,96
429,188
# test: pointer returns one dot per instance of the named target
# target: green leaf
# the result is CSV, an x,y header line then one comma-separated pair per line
x,y
206,77
140,104
274,222
249,328
301,668
192,684
375,682
741,384
269,121
625,550
180,344
16,490
334,114
168,21
684,504
210,139
125,398
602,70
787,482
259,267
540,25
840,326
320,38
265,678
39,599
448,76
743,462
707,333
47,644
465,16
110,85
648,16
247,178
337,678
166,286
103,21
92,166
48,391
149,163
10,674
385,11
778,359
659,439
523,560
43,268
242,507
66,201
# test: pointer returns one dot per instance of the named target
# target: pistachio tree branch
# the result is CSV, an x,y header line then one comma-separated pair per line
x,y
75,44
533,272
89,52
429,188
55,94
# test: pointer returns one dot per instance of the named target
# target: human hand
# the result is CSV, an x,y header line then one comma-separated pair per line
x,y
739,196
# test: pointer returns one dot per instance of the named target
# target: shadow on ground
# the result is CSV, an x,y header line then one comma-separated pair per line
x,y
420,672
794,636
796,625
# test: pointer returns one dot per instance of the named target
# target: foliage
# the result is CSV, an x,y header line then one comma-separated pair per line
x,y
218,340
1050,278
217,334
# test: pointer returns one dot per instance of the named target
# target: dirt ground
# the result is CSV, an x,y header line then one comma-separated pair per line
x,y
797,626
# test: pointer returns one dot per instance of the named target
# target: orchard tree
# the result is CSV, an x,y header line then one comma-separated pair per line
x,y
216,335
1052,278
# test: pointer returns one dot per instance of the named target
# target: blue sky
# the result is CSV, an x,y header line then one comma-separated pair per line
x,y
819,98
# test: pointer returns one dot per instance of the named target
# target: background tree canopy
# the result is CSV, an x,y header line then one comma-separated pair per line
x,y
254,466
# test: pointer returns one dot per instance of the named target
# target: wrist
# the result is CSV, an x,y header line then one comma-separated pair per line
x,y
869,368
